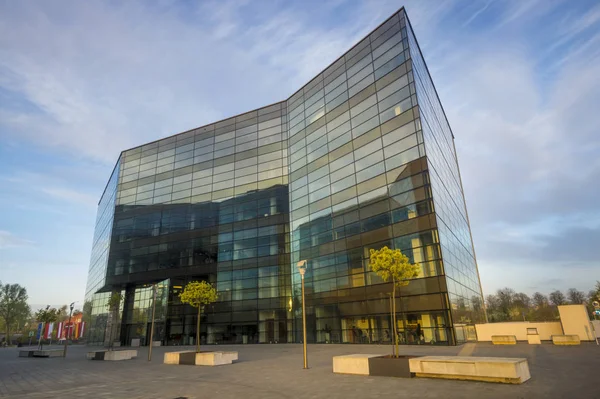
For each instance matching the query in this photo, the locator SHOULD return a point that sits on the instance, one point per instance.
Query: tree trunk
(397, 351)
(392, 332)
(41, 342)
(404, 320)
(198, 331)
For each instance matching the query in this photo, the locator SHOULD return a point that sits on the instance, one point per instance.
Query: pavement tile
(275, 371)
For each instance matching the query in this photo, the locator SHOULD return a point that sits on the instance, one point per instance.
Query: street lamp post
(152, 324)
(69, 326)
(302, 270)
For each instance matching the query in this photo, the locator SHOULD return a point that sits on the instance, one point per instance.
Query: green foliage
(197, 294)
(48, 315)
(595, 293)
(540, 300)
(506, 305)
(13, 306)
(557, 298)
(575, 296)
(392, 264)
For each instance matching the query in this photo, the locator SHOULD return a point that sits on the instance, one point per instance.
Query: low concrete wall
(519, 329)
(566, 340)
(490, 369)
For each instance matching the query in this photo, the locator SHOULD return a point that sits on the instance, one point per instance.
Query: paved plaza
(275, 371)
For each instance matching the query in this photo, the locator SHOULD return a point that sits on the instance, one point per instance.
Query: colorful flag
(49, 330)
(39, 331)
(59, 332)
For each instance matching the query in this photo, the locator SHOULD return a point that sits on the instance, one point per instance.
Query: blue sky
(81, 81)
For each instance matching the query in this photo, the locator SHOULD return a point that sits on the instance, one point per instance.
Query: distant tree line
(17, 319)
(508, 305)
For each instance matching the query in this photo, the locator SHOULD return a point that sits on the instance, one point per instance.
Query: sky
(82, 81)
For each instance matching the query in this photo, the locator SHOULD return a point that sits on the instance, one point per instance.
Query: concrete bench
(42, 353)
(200, 359)
(373, 365)
(504, 339)
(566, 340)
(489, 369)
(352, 364)
(112, 355)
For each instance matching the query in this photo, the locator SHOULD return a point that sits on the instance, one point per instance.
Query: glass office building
(360, 157)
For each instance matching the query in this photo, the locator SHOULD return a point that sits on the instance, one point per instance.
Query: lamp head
(301, 267)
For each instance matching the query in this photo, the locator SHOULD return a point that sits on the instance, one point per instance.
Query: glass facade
(460, 265)
(344, 165)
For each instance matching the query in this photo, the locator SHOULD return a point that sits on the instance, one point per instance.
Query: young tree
(47, 315)
(63, 313)
(575, 296)
(198, 294)
(557, 298)
(13, 305)
(392, 264)
(113, 304)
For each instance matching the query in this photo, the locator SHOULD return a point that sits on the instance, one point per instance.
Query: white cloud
(119, 75)
(71, 196)
(521, 93)
(9, 240)
(24, 189)
(526, 136)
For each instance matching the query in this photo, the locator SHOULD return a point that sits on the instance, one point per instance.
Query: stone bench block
(218, 358)
(352, 364)
(489, 369)
(566, 340)
(42, 353)
(504, 340)
(112, 355)
(173, 357)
